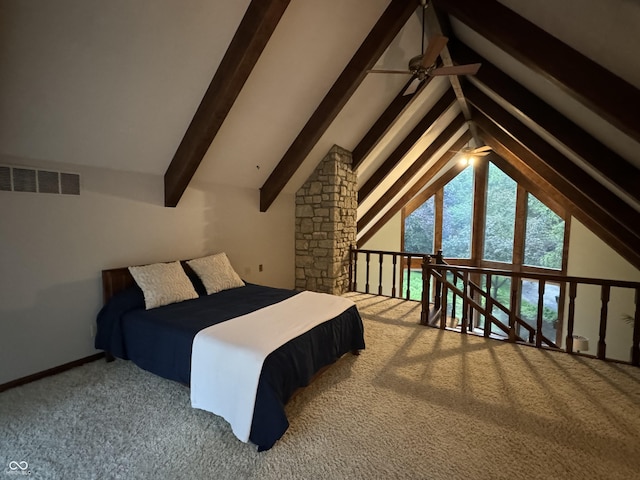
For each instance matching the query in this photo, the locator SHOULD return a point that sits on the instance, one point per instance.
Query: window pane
(500, 217)
(418, 228)
(544, 236)
(457, 215)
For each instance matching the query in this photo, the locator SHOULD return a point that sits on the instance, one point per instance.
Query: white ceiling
(115, 84)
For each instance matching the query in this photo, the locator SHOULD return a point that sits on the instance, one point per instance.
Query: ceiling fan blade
(484, 148)
(470, 69)
(406, 72)
(412, 87)
(434, 47)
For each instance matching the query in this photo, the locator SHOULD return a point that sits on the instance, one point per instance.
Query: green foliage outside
(500, 216)
(457, 215)
(544, 236)
(419, 229)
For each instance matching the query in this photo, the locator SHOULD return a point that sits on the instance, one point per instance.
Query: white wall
(53, 247)
(591, 257)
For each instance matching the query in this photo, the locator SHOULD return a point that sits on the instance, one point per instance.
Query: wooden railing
(444, 287)
(398, 261)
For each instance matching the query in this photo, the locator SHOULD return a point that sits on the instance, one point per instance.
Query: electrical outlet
(260, 267)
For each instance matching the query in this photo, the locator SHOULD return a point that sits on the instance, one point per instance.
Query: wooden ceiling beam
(602, 159)
(410, 196)
(384, 123)
(410, 172)
(585, 209)
(591, 84)
(379, 38)
(256, 27)
(554, 165)
(446, 101)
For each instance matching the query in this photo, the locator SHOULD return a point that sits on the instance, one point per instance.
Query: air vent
(21, 179)
(24, 180)
(5, 178)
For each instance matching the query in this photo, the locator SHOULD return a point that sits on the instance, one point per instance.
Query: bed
(160, 340)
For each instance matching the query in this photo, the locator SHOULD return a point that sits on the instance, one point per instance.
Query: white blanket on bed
(226, 359)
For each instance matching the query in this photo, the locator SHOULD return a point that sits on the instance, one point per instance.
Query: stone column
(326, 225)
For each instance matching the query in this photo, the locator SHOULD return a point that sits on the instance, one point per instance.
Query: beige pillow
(216, 273)
(163, 283)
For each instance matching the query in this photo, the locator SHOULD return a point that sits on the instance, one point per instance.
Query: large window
(419, 228)
(457, 215)
(514, 229)
(500, 217)
(544, 236)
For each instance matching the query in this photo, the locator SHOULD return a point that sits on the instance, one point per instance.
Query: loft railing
(453, 297)
(371, 263)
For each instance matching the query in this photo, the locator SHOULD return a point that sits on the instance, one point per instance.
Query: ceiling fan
(469, 154)
(424, 65)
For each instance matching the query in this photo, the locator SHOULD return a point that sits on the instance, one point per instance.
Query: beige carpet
(418, 403)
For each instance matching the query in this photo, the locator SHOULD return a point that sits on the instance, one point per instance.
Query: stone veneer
(326, 225)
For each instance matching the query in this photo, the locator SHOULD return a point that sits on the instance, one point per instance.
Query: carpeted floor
(418, 403)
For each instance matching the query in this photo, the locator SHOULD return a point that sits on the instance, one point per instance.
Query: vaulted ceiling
(254, 93)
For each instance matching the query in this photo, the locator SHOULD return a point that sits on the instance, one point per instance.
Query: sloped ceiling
(117, 84)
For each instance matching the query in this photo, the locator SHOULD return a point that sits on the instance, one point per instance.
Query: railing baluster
(355, 271)
(541, 288)
(635, 347)
(351, 268)
(426, 288)
(443, 300)
(453, 299)
(602, 345)
(512, 310)
(366, 288)
(426, 276)
(393, 282)
(380, 274)
(408, 277)
(573, 288)
(465, 301)
(489, 306)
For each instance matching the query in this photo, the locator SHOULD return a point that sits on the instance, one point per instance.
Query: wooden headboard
(115, 280)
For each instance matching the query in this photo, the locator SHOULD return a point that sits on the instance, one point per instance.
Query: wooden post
(602, 345)
(489, 307)
(351, 289)
(443, 299)
(366, 288)
(541, 287)
(408, 277)
(380, 274)
(465, 301)
(426, 288)
(393, 284)
(635, 348)
(355, 270)
(512, 310)
(573, 287)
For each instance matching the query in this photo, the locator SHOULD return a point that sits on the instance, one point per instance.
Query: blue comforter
(159, 340)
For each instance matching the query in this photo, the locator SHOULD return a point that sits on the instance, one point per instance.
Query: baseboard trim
(50, 372)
